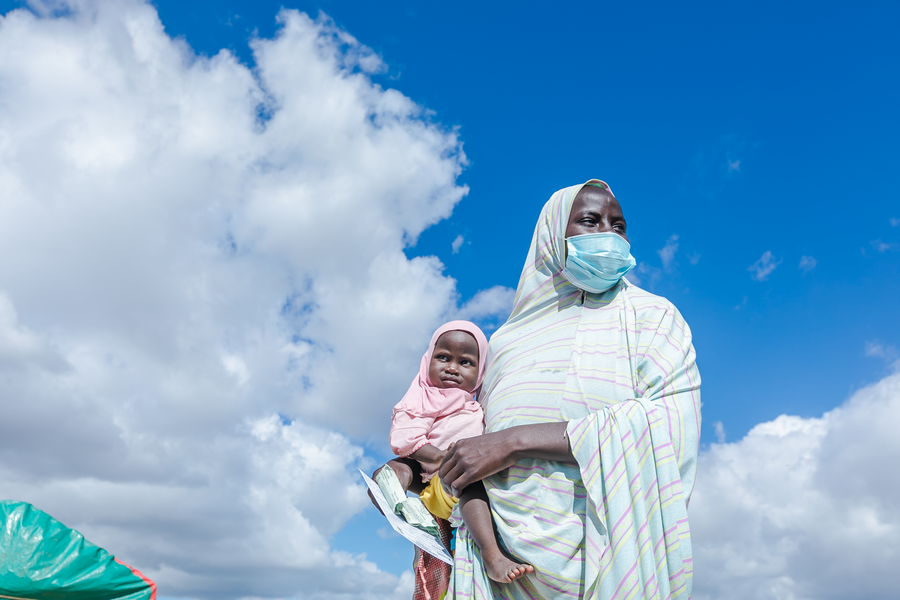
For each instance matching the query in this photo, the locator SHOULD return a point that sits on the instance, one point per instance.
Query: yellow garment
(436, 500)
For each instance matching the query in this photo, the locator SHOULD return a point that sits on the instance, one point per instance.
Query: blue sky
(741, 129)
(734, 135)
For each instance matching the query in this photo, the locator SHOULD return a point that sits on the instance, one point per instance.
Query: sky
(229, 229)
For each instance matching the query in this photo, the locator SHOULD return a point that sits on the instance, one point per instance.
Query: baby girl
(438, 410)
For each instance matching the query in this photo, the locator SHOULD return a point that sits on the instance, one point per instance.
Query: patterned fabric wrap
(620, 368)
(432, 574)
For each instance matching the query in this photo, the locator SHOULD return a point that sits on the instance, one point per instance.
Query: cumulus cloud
(490, 307)
(667, 252)
(807, 264)
(803, 508)
(457, 243)
(762, 268)
(182, 337)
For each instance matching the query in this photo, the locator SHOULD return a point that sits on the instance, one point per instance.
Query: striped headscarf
(547, 256)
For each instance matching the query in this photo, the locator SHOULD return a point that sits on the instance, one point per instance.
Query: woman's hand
(407, 472)
(473, 459)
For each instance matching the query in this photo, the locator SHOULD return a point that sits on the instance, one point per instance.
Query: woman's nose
(452, 367)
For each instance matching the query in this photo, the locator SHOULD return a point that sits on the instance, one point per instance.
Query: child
(440, 409)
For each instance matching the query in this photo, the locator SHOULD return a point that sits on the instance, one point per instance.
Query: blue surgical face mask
(597, 261)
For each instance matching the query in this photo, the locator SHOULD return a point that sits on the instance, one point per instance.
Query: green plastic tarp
(42, 559)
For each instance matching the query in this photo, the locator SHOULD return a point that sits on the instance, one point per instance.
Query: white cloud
(694, 258)
(644, 275)
(895, 221)
(883, 246)
(719, 429)
(490, 307)
(803, 508)
(877, 348)
(761, 269)
(667, 252)
(21, 348)
(457, 243)
(807, 264)
(182, 276)
(734, 165)
(888, 352)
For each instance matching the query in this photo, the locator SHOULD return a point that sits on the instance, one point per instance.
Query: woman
(592, 414)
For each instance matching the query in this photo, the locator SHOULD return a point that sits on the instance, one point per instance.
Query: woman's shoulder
(643, 301)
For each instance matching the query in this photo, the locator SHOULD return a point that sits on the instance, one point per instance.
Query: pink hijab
(423, 399)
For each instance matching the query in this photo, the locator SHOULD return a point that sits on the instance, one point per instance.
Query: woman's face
(595, 211)
(454, 362)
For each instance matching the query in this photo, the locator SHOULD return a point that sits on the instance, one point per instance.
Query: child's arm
(408, 433)
(429, 456)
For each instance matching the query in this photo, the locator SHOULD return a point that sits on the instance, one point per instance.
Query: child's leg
(476, 512)
(409, 473)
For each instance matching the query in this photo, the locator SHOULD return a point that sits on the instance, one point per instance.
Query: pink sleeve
(409, 433)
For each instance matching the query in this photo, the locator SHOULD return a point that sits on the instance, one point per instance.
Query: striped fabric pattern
(620, 368)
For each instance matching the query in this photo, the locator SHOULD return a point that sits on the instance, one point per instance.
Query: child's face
(454, 363)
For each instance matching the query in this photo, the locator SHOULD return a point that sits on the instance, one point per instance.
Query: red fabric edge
(146, 579)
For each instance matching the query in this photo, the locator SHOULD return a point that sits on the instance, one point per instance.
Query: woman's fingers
(371, 497)
(472, 460)
(454, 482)
(446, 472)
(447, 453)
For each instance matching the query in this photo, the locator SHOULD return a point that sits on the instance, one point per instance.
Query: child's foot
(502, 569)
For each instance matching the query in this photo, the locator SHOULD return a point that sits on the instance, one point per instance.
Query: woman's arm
(473, 459)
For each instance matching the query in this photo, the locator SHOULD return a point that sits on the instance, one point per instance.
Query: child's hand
(430, 457)
(433, 464)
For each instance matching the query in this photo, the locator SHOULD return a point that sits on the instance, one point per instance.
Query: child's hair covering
(423, 399)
